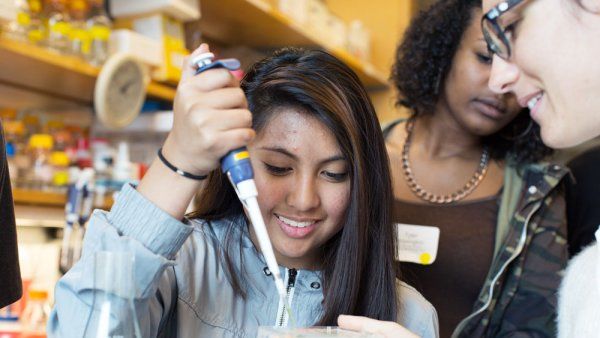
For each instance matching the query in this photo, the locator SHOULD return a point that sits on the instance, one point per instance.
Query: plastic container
(311, 332)
(40, 174)
(112, 306)
(35, 316)
(98, 27)
(184, 10)
(79, 37)
(58, 25)
(13, 170)
(60, 166)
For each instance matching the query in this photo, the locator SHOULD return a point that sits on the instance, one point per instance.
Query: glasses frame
(492, 17)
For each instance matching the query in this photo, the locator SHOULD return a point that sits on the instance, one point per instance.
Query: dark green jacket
(518, 298)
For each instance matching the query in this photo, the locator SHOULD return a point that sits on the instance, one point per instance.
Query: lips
(296, 228)
(531, 98)
(491, 108)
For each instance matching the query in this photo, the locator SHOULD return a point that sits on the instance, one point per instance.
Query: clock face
(120, 91)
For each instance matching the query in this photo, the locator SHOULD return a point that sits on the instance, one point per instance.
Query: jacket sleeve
(530, 292)
(153, 237)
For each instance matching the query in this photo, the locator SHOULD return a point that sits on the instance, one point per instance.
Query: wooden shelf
(60, 77)
(47, 198)
(255, 23)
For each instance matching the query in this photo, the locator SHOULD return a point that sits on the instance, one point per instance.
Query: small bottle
(36, 33)
(60, 170)
(19, 28)
(122, 168)
(98, 26)
(28, 26)
(14, 134)
(35, 316)
(40, 175)
(79, 37)
(32, 124)
(83, 157)
(13, 170)
(58, 26)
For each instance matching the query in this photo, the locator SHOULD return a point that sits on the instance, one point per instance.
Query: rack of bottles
(55, 48)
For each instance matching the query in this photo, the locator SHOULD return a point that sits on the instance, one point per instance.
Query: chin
(559, 140)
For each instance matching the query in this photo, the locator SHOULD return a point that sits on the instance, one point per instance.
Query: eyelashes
(330, 176)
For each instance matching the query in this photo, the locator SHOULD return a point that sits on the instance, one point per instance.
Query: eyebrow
(294, 157)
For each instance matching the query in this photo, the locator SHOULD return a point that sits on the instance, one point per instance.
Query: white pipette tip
(280, 287)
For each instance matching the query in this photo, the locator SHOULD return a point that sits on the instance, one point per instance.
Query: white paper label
(417, 243)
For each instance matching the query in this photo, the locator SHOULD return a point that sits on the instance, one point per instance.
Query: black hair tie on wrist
(177, 170)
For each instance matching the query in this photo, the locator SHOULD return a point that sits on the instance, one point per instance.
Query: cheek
(335, 201)
(270, 191)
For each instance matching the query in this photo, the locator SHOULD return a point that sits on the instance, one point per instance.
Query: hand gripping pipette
(236, 165)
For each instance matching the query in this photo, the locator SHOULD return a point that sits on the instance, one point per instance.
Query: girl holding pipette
(322, 177)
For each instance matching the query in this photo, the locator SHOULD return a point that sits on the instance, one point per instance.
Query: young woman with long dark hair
(315, 146)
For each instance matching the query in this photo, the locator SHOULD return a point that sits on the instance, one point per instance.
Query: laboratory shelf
(47, 198)
(256, 23)
(51, 77)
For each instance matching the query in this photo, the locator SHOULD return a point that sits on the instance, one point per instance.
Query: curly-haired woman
(467, 162)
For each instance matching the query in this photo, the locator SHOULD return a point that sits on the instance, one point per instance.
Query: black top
(582, 195)
(10, 277)
(465, 251)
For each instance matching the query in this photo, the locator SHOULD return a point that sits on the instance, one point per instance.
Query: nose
(503, 75)
(304, 195)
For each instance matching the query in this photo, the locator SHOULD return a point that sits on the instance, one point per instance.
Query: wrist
(174, 157)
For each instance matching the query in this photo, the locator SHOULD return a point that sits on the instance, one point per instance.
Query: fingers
(364, 324)
(220, 120)
(208, 80)
(352, 323)
(224, 98)
(188, 69)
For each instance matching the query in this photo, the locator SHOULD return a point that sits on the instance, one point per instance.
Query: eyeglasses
(494, 34)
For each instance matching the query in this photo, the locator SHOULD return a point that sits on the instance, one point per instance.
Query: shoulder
(579, 294)
(415, 312)
(582, 271)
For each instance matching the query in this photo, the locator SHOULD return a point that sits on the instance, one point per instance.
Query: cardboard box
(169, 33)
(143, 48)
(183, 10)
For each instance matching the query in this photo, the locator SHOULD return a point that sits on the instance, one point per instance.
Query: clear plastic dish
(311, 332)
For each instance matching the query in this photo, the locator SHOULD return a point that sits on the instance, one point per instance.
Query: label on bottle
(35, 35)
(62, 28)
(23, 19)
(100, 33)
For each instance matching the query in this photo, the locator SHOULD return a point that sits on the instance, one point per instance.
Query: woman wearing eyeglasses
(546, 52)
(468, 162)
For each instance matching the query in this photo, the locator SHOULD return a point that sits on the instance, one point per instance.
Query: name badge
(417, 243)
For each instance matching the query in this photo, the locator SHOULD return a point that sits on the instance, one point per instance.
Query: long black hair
(424, 59)
(358, 262)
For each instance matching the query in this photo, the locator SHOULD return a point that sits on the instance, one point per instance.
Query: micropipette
(236, 165)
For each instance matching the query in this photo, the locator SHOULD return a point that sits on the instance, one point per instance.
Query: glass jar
(40, 174)
(35, 316)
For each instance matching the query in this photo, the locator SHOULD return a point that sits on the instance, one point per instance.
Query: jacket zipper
(515, 254)
(291, 282)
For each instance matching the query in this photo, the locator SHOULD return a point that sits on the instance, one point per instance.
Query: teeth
(294, 223)
(533, 101)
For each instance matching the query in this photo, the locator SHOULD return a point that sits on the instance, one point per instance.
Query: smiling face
(466, 94)
(554, 67)
(303, 184)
